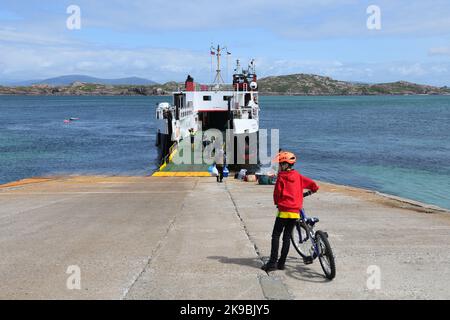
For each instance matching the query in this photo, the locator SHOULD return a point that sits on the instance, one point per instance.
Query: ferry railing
(222, 87)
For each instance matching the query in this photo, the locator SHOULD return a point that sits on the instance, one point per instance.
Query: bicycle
(311, 244)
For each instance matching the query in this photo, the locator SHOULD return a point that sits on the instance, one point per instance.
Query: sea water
(396, 145)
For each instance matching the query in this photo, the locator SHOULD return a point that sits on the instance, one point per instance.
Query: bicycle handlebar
(307, 193)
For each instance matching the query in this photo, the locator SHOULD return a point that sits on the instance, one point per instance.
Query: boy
(288, 197)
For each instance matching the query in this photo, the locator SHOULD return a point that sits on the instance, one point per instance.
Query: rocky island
(295, 84)
(312, 85)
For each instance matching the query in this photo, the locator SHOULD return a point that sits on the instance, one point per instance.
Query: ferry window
(225, 98)
(206, 98)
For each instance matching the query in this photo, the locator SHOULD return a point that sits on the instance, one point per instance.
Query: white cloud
(200, 14)
(438, 72)
(408, 70)
(13, 35)
(19, 62)
(288, 18)
(39, 49)
(439, 51)
(22, 63)
(308, 19)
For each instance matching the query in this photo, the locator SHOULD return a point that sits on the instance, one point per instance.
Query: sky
(166, 40)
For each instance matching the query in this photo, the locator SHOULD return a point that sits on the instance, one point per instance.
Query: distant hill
(309, 84)
(69, 79)
(294, 84)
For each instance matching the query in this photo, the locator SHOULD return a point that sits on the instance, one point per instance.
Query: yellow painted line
(172, 155)
(23, 182)
(163, 166)
(169, 160)
(181, 174)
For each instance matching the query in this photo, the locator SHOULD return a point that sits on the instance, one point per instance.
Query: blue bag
(225, 172)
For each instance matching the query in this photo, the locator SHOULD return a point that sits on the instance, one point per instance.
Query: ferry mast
(218, 53)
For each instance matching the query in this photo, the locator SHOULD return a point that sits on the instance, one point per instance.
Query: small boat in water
(70, 120)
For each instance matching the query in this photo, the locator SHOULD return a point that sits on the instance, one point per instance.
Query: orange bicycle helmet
(285, 156)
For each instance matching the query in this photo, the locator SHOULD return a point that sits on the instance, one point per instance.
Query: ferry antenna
(218, 53)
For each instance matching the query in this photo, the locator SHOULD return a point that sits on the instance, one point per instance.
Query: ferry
(232, 109)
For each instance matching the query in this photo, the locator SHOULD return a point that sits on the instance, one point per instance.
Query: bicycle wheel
(326, 256)
(301, 240)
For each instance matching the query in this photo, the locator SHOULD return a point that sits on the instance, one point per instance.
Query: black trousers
(220, 169)
(285, 226)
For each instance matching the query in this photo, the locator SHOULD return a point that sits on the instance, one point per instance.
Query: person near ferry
(192, 135)
(189, 83)
(288, 197)
(219, 159)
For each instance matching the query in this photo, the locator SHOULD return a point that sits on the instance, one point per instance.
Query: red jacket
(288, 192)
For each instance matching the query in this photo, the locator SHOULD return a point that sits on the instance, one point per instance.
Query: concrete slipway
(191, 238)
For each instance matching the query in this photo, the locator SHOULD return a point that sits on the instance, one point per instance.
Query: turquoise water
(115, 135)
(396, 145)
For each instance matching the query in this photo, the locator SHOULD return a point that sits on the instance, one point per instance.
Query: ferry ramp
(175, 166)
(193, 238)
